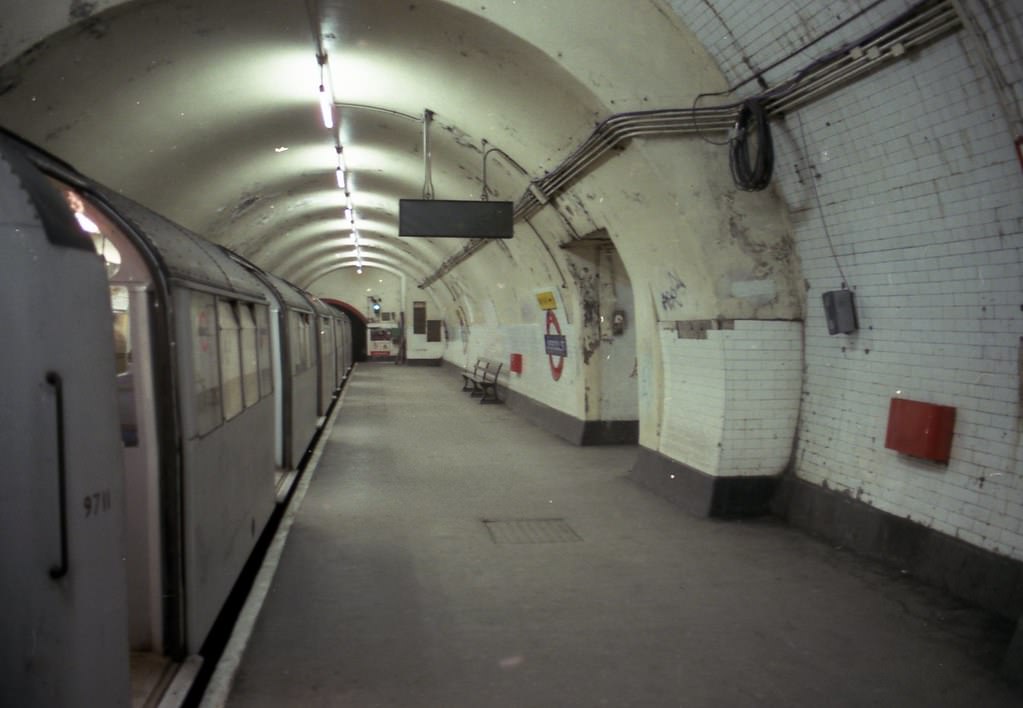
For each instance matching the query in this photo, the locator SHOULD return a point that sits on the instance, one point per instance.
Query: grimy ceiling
(208, 112)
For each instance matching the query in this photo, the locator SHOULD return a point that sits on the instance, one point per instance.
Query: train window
(230, 359)
(266, 379)
(122, 328)
(204, 363)
(250, 365)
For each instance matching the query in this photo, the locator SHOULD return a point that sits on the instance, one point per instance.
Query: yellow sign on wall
(546, 300)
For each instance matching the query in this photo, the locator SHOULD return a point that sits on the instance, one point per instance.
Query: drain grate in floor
(531, 531)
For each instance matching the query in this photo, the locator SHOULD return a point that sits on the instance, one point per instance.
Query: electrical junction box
(840, 311)
(920, 429)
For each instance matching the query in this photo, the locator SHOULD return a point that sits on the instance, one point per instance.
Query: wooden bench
(481, 380)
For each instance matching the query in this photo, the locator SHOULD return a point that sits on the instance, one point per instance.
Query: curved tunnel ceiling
(208, 113)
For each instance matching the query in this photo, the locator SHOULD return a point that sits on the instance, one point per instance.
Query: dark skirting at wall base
(566, 427)
(700, 493)
(570, 428)
(976, 575)
(424, 362)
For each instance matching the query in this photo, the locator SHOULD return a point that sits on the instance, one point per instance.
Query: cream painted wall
(354, 289)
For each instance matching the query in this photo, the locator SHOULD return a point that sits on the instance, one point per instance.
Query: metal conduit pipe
(921, 25)
(851, 68)
(917, 30)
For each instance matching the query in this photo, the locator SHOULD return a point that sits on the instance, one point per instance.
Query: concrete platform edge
(218, 689)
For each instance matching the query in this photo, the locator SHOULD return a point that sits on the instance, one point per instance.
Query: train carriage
(64, 620)
(158, 393)
(294, 341)
(326, 345)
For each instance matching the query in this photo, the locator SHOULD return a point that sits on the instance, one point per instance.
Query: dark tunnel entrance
(358, 327)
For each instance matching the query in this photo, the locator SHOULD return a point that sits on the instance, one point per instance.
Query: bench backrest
(492, 370)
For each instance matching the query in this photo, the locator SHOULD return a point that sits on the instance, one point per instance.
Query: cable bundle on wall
(751, 172)
(923, 23)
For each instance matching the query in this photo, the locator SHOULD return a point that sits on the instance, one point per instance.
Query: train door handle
(54, 380)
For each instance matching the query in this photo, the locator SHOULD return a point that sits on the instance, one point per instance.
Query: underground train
(159, 393)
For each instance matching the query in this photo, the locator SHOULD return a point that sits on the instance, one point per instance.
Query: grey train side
(158, 395)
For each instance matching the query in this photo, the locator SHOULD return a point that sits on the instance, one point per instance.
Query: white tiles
(731, 400)
(694, 400)
(921, 190)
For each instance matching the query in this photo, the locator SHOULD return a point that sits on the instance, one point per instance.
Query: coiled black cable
(751, 174)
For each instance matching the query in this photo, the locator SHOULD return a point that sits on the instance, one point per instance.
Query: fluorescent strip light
(341, 178)
(326, 108)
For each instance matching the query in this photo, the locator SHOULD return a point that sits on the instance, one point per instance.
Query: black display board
(446, 218)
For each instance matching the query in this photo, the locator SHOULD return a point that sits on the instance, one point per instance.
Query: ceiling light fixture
(326, 108)
(326, 101)
(341, 179)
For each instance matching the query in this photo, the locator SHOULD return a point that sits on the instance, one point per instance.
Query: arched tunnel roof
(208, 113)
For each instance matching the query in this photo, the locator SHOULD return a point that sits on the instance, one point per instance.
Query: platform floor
(393, 590)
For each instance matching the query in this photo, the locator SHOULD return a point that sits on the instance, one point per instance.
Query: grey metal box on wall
(840, 311)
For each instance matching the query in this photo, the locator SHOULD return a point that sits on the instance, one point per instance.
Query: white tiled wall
(922, 195)
(764, 366)
(731, 400)
(693, 399)
(753, 36)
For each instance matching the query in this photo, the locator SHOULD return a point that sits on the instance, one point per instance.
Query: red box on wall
(516, 363)
(920, 429)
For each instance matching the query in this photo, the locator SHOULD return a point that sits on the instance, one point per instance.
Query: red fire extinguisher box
(920, 429)
(516, 363)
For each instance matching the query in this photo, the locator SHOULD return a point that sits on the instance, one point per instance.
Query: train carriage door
(63, 627)
(131, 292)
(326, 363)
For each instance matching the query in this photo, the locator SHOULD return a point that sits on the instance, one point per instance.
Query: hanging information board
(446, 218)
